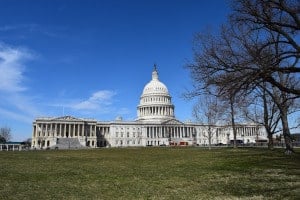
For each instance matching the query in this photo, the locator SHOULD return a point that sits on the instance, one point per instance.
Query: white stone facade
(156, 125)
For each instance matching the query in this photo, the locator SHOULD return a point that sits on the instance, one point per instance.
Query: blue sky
(92, 59)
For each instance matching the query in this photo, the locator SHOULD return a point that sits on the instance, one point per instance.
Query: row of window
(67, 134)
(156, 99)
(134, 134)
(247, 132)
(127, 128)
(128, 142)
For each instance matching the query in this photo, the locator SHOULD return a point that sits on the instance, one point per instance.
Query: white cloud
(99, 101)
(18, 26)
(12, 68)
(15, 103)
(16, 116)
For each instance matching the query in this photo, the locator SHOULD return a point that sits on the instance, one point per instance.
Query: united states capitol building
(156, 125)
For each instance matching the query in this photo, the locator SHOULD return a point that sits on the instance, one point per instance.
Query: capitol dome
(155, 86)
(155, 101)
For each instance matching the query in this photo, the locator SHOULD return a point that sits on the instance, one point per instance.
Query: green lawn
(150, 173)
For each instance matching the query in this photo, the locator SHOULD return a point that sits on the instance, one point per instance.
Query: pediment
(172, 122)
(67, 118)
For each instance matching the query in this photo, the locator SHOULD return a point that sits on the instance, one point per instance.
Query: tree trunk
(233, 122)
(266, 122)
(286, 131)
(209, 137)
(270, 143)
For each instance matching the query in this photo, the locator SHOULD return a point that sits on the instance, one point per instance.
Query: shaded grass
(150, 173)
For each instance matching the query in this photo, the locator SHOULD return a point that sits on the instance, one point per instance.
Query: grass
(150, 173)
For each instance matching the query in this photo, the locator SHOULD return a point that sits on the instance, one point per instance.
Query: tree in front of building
(27, 143)
(208, 111)
(5, 134)
(257, 47)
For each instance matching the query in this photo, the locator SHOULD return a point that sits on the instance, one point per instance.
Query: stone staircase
(68, 143)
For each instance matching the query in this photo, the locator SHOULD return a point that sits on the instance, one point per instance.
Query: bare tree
(284, 103)
(248, 53)
(208, 111)
(273, 17)
(27, 143)
(262, 110)
(5, 133)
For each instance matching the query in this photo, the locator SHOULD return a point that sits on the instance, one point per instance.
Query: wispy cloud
(15, 103)
(12, 68)
(14, 27)
(25, 30)
(15, 115)
(99, 101)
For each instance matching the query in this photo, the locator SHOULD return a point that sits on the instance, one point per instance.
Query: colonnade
(156, 110)
(169, 131)
(10, 147)
(247, 131)
(60, 129)
(240, 130)
(103, 130)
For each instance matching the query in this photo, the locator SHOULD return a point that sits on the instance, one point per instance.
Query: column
(180, 132)
(160, 131)
(147, 132)
(51, 130)
(152, 132)
(60, 129)
(65, 130)
(90, 131)
(55, 131)
(46, 130)
(79, 130)
(69, 130)
(73, 126)
(75, 130)
(36, 131)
